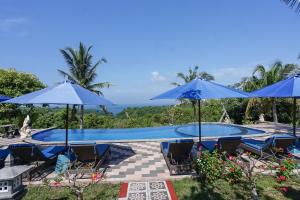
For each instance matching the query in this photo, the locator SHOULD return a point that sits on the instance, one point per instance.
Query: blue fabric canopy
(64, 93)
(289, 87)
(201, 89)
(67, 93)
(4, 98)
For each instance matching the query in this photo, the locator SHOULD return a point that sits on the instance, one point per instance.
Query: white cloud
(157, 77)
(230, 75)
(16, 26)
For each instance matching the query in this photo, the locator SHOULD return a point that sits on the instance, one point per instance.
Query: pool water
(163, 132)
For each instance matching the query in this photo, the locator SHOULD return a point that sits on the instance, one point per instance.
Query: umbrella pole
(294, 116)
(67, 125)
(199, 119)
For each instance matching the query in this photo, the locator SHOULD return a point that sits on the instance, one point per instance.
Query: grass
(187, 188)
(266, 185)
(102, 191)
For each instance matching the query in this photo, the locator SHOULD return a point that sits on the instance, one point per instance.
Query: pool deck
(143, 161)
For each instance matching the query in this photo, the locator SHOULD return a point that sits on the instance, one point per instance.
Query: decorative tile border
(153, 190)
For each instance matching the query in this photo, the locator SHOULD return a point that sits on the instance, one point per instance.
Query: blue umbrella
(288, 88)
(67, 93)
(3, 97)
(200, 89)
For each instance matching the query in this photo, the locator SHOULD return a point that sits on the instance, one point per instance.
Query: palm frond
(65, 74)
(176, 84)
(293, 4)
(100, 85)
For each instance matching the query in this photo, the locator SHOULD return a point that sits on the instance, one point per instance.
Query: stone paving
(136, 161)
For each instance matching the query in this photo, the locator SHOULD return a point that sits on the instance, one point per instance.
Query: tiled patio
(136, 161)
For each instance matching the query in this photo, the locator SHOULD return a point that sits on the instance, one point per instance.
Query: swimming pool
(144, 134)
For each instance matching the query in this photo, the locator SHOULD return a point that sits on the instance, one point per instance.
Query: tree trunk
(104, 109)
(81, 117)
(274, 110)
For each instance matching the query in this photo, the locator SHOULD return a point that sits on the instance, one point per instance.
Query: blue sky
(147, 42)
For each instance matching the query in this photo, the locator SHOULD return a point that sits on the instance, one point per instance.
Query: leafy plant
(285, 169)
(209, 166)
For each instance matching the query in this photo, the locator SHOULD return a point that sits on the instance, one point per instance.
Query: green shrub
(209, 166)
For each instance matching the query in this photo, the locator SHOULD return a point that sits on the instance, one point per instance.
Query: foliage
(285, 169)
(93, 191)
(101, 191)
(233, 172)
(262, 77)
(209, 166)
(189, 188)
(13, 84)
(82, 70)
(293, 4)
(191, 75)
(46, 192)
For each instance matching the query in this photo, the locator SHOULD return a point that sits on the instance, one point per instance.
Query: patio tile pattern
(136, 161)
(153, 190)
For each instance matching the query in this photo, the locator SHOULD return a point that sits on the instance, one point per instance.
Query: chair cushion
(101, 149)
(21, 145)
(82, 143)
(3, 154)
(209, 145)
(165, 147)
(52, 151)
(230, 138)
(180, 141)
(62, 164)
(256, 144)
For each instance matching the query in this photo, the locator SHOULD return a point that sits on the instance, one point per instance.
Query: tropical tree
(262, 77)
(293, 4)
(82, 71)
(191, 75)
(14, 83)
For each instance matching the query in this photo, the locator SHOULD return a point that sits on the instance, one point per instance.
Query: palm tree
(262, 77)
(293, 4)
(82, 71)
(191, 75)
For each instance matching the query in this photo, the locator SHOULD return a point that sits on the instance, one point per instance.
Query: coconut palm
(293, 4)
(191, 75)
(262, 77)
(82, 71)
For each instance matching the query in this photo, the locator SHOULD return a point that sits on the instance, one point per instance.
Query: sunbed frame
(178, 158)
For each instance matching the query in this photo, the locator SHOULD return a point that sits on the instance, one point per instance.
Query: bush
(285, 169)
(209, 166)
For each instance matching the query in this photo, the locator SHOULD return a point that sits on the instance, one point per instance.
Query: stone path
(136, 161)
(153, 190)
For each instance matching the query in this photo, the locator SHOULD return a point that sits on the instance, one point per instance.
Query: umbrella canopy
(67, 93)
(64, 93)
(288, 88)
(201, 89)
(3, 97)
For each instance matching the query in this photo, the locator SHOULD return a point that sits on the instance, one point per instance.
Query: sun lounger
(31, 154)
(270, 147)
(3, 154)
(223, 144)
(177, 154)
(89, 157)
